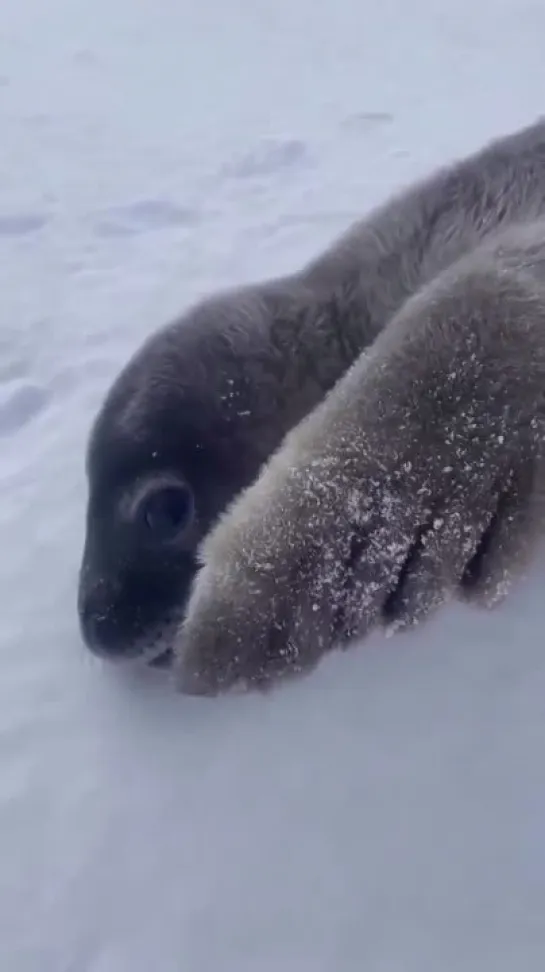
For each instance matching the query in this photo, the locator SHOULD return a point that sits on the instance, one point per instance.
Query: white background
(387, 814)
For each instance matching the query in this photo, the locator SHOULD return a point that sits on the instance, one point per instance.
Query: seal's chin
(154, 650)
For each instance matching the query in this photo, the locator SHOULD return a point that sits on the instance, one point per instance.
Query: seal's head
(184, 428)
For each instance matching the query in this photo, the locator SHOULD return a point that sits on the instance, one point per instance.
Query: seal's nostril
(94, 601)
(100, 630)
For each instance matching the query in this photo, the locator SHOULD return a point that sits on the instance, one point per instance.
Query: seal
(180, 451)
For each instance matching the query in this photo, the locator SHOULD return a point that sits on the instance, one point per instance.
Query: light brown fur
(377, 504)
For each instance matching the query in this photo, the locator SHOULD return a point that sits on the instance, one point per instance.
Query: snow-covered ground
(388, 813)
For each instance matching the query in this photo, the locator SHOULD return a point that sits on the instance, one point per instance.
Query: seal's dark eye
(167, 511)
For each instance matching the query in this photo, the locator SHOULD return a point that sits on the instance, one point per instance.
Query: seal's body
(381, 379)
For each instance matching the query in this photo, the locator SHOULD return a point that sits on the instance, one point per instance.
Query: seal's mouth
(164, 660)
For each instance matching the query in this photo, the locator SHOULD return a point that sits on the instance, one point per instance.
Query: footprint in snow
(19, 406)
(144, 216)
(362, 122)
(269, 157)
(21, 224)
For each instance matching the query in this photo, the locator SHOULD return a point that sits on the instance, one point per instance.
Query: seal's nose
(100, 631)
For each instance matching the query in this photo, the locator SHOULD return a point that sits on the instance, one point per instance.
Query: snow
(387, 813)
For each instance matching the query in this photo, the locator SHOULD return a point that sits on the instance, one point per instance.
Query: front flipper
(508, 544)
(377, 506)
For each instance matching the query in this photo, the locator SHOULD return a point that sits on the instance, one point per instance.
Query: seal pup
(204, 403)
